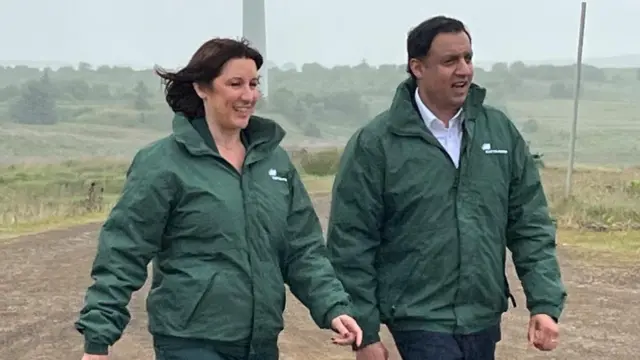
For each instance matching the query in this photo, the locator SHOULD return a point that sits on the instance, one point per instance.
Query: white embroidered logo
(486, 147)
(274, 175)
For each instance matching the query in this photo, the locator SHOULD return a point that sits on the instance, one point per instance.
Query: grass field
(46, 274)
(607, 131)
(41, 196)
(607, 134)
(59, 182)
(96, 130)
(36, 197)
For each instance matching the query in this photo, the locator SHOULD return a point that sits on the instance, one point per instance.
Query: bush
(320, 163)
(633, 187)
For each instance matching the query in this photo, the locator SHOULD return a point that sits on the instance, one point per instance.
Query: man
(429, 196)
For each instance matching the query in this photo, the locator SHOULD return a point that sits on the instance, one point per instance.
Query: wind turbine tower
(254, 29)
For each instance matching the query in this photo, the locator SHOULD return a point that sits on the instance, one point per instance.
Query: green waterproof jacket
(223, 244)
(420, 244)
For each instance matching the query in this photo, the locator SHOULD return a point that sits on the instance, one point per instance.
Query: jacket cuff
(370, 335)
(334, 312)
(93, 348)
(553, 311)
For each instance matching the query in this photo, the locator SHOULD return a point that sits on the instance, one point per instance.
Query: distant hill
(36, 64)
(618, 61)
(58, 64)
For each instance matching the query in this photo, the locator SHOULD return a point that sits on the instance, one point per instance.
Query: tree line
(310, 96)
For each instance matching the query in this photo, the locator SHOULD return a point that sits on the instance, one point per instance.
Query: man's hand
(95, 357)
(375, 351)
(543, 332)
(347, 329)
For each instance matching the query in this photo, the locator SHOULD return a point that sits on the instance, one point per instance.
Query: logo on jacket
(274, 175)
(486, 147)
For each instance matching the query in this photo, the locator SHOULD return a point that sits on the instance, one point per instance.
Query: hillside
(616, 61)
(610, 62)
(112, 111)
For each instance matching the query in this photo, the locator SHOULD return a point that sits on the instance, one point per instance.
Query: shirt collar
(431, 120)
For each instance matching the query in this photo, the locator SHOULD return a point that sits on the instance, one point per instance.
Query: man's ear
(417, 68)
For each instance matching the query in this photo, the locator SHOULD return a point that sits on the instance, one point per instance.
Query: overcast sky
(167, 32)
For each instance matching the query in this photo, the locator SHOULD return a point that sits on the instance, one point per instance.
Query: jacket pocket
(394, 286)
(220, 305)
(400, 265)
(193, 298)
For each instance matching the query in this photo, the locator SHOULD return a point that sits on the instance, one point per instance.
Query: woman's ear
(199, 90)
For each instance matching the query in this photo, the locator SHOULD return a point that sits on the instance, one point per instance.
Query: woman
(224, 215)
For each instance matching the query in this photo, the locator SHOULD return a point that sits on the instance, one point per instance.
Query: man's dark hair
(205, 65)
(420, 37)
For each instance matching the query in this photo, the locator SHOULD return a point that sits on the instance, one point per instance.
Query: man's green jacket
(420, 244)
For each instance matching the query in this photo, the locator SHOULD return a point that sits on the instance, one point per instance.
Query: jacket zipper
(394, 306)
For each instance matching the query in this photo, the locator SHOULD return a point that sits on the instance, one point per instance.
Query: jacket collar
(404, 114)
(262, 135)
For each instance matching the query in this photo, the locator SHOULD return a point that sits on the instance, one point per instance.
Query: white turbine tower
(254, 29)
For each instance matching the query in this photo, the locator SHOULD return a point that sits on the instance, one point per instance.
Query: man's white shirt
(450, 138)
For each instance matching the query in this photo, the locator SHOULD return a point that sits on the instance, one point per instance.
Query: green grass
(88, 131)
(607, 131)
(318, 185)
(603, 215)
(35, 197)
(20, 144)
(602, 247)
(51, 223)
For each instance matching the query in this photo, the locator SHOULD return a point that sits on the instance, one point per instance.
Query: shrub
(320, 163)
(634, 187)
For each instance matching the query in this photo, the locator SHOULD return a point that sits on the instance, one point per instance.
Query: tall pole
(576, 101)
(254, 29)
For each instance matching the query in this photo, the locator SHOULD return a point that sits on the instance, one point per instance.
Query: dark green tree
(141, 95)
(36, 103)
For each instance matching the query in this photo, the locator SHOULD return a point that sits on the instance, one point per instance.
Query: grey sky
(167, 32)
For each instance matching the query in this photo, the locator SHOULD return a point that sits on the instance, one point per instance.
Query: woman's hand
(346, 327)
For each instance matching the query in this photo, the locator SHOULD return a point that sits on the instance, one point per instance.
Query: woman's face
(231, 99)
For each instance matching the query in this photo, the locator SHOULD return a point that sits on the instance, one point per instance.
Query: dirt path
(43, 278)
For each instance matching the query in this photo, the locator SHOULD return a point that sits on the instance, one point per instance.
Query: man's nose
(464, 68)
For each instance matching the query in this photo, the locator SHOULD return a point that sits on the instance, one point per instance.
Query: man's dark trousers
(172, 348)
(426, 345)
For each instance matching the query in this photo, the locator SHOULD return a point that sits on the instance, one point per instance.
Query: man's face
(445, 74)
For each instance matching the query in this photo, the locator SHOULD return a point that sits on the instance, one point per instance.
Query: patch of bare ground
(43, 278)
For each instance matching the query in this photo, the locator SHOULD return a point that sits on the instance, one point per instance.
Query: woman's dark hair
(205, 65)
